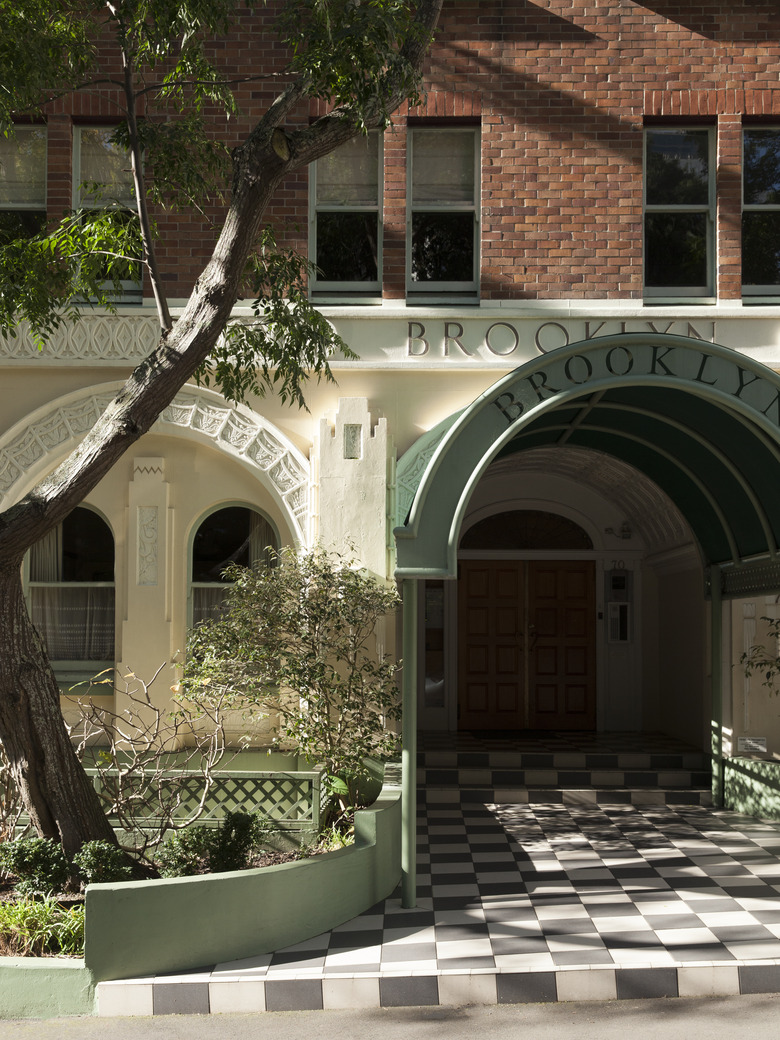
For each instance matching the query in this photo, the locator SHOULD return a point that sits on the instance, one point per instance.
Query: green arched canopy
(702, 421)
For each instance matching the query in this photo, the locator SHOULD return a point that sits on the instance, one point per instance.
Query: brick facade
(560, 91)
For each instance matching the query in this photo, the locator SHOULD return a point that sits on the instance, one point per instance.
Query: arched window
(234, 534)
(71, 588)
(526, 529)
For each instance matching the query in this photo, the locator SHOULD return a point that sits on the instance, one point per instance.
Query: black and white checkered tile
(529, 902)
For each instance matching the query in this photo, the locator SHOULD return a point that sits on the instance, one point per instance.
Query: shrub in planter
(101, 862)
(39, 863)
(197, 850)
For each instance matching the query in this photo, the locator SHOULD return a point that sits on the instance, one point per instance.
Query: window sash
(348, 183)
(75, 619)
(754, 206)
(23, 169)
(444, 172)
(96, 161)
(701, 201)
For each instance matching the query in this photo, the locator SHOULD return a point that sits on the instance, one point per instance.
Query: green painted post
(716, 639)
(409, 752)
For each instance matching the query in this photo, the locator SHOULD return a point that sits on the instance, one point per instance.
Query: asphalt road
(674, 1019)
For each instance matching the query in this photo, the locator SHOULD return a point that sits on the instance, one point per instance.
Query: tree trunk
(56, 791)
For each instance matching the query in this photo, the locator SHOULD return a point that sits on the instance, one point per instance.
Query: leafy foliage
(763, 660)
(347, 49)
(39, 863)
(199, 849)
(285, 342)
(101, 862)
(34, 927)
(298, 639)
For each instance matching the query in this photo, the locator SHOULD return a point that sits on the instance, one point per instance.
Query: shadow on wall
(752, 786)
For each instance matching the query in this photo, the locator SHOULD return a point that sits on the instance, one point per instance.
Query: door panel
(562, 612)
(527, 645)
(491, 667)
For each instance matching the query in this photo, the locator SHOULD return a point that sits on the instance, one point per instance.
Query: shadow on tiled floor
(521, 902)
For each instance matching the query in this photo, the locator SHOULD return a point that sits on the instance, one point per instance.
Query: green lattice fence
(293, 800)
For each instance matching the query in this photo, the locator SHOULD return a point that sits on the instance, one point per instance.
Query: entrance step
(653, 774)
(567, 796)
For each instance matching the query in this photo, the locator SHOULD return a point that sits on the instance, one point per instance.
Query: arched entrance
(701, 422)
(526, 626)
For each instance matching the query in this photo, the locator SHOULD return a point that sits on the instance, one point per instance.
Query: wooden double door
(527, 646)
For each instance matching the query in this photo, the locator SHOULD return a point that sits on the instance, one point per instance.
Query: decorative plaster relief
(147, 545)
(413, 464)
(243, 435)
(105, 337)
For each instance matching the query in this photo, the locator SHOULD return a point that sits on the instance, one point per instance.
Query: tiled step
(439, 795)
(676, 776)
(563, 778)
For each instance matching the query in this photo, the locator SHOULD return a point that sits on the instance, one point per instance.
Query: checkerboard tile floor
(548, 886)
(529, 902)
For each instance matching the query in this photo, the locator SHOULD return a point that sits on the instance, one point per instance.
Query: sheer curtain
(75, 619)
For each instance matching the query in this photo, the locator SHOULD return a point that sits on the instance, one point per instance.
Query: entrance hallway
(530, 901)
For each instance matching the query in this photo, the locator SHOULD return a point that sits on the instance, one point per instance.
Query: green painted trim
(752, 786)
(743, 387)
(716, 683)
(142, 928)
(409, 753)
(45, 987)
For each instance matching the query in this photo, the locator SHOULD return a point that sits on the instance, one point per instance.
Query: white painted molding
(36, 445)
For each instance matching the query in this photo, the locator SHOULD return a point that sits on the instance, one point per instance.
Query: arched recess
(701, 421)
(34, 446)
(698, 420)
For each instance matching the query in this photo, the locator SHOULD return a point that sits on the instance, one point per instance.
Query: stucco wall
(147, 927)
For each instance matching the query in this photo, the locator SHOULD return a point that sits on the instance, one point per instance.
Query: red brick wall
(561, 90)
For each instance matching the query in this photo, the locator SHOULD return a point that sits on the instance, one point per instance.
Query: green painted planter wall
(752, 786)
(146, 927)
(45, 987)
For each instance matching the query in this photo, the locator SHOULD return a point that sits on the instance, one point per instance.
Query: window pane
(106, 177)
(87, 547)
(23, 168)
(761, 170)
(350, 175)
(77, 624)
(347, 247)
(81, 548)
(443, 247)
(443, 166)
(232, 535)
(677, 170)
(20, 223)
(761, 248)
(676, 250)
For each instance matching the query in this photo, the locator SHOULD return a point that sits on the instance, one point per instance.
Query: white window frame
(433, 291)
(332, 288)
(132, 290)
(758, 293)
(687, 293)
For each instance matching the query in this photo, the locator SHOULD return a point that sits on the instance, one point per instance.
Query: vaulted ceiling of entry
(720, 469)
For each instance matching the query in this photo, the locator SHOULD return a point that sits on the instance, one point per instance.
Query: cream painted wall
(185, 482)
(681, 655)
(755, 707)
